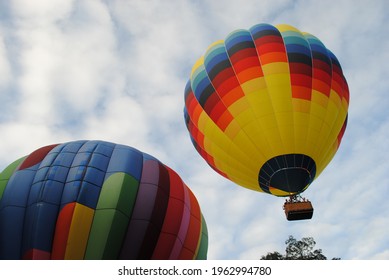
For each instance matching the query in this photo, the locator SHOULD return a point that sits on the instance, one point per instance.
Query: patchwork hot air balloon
(267, 108)
(97, 200)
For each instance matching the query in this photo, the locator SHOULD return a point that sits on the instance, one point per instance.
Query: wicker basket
(298, 210)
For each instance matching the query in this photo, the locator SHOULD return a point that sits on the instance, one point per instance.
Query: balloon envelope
(97, 200)
(267, 108)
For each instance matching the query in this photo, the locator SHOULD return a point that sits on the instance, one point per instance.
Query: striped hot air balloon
(97, 200)
(267, 108)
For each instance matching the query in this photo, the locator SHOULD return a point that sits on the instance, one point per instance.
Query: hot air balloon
(97, 200)
(267, 109)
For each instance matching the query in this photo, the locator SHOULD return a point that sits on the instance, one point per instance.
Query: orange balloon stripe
(249, 74)
(271, 57)
(62, 230)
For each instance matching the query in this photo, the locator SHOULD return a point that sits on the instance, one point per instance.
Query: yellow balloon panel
(79, 232)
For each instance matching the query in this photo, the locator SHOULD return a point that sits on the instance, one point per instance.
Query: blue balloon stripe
(44, 200)
(12, 212)
(127, 160)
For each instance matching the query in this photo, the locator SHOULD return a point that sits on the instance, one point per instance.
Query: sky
(116, 71)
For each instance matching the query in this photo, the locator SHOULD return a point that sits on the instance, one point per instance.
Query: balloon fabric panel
(175, 217)
(113, 212)
(12, 211)
(7, 173)
(202, 249)
(62, 229)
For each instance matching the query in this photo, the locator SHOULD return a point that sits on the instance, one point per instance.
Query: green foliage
(298, 250)
(273, 256)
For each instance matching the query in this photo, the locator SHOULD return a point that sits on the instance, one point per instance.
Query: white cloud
(123, 121)
(21, 138)
(5, 68)
(41, 9)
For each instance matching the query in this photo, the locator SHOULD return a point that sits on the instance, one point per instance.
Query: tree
(298, 250)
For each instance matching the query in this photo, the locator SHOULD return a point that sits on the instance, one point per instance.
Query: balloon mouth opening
(290, 173)
(292, 179)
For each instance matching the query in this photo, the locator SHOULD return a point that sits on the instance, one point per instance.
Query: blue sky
(116, 71)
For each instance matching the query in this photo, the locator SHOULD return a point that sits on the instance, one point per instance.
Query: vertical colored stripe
(79, 232)
(6, 174)
(194, 230)
(174, 216)
(113, 212)
(12, 212)
(184, 226)
(203, 244)
(62, 230)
